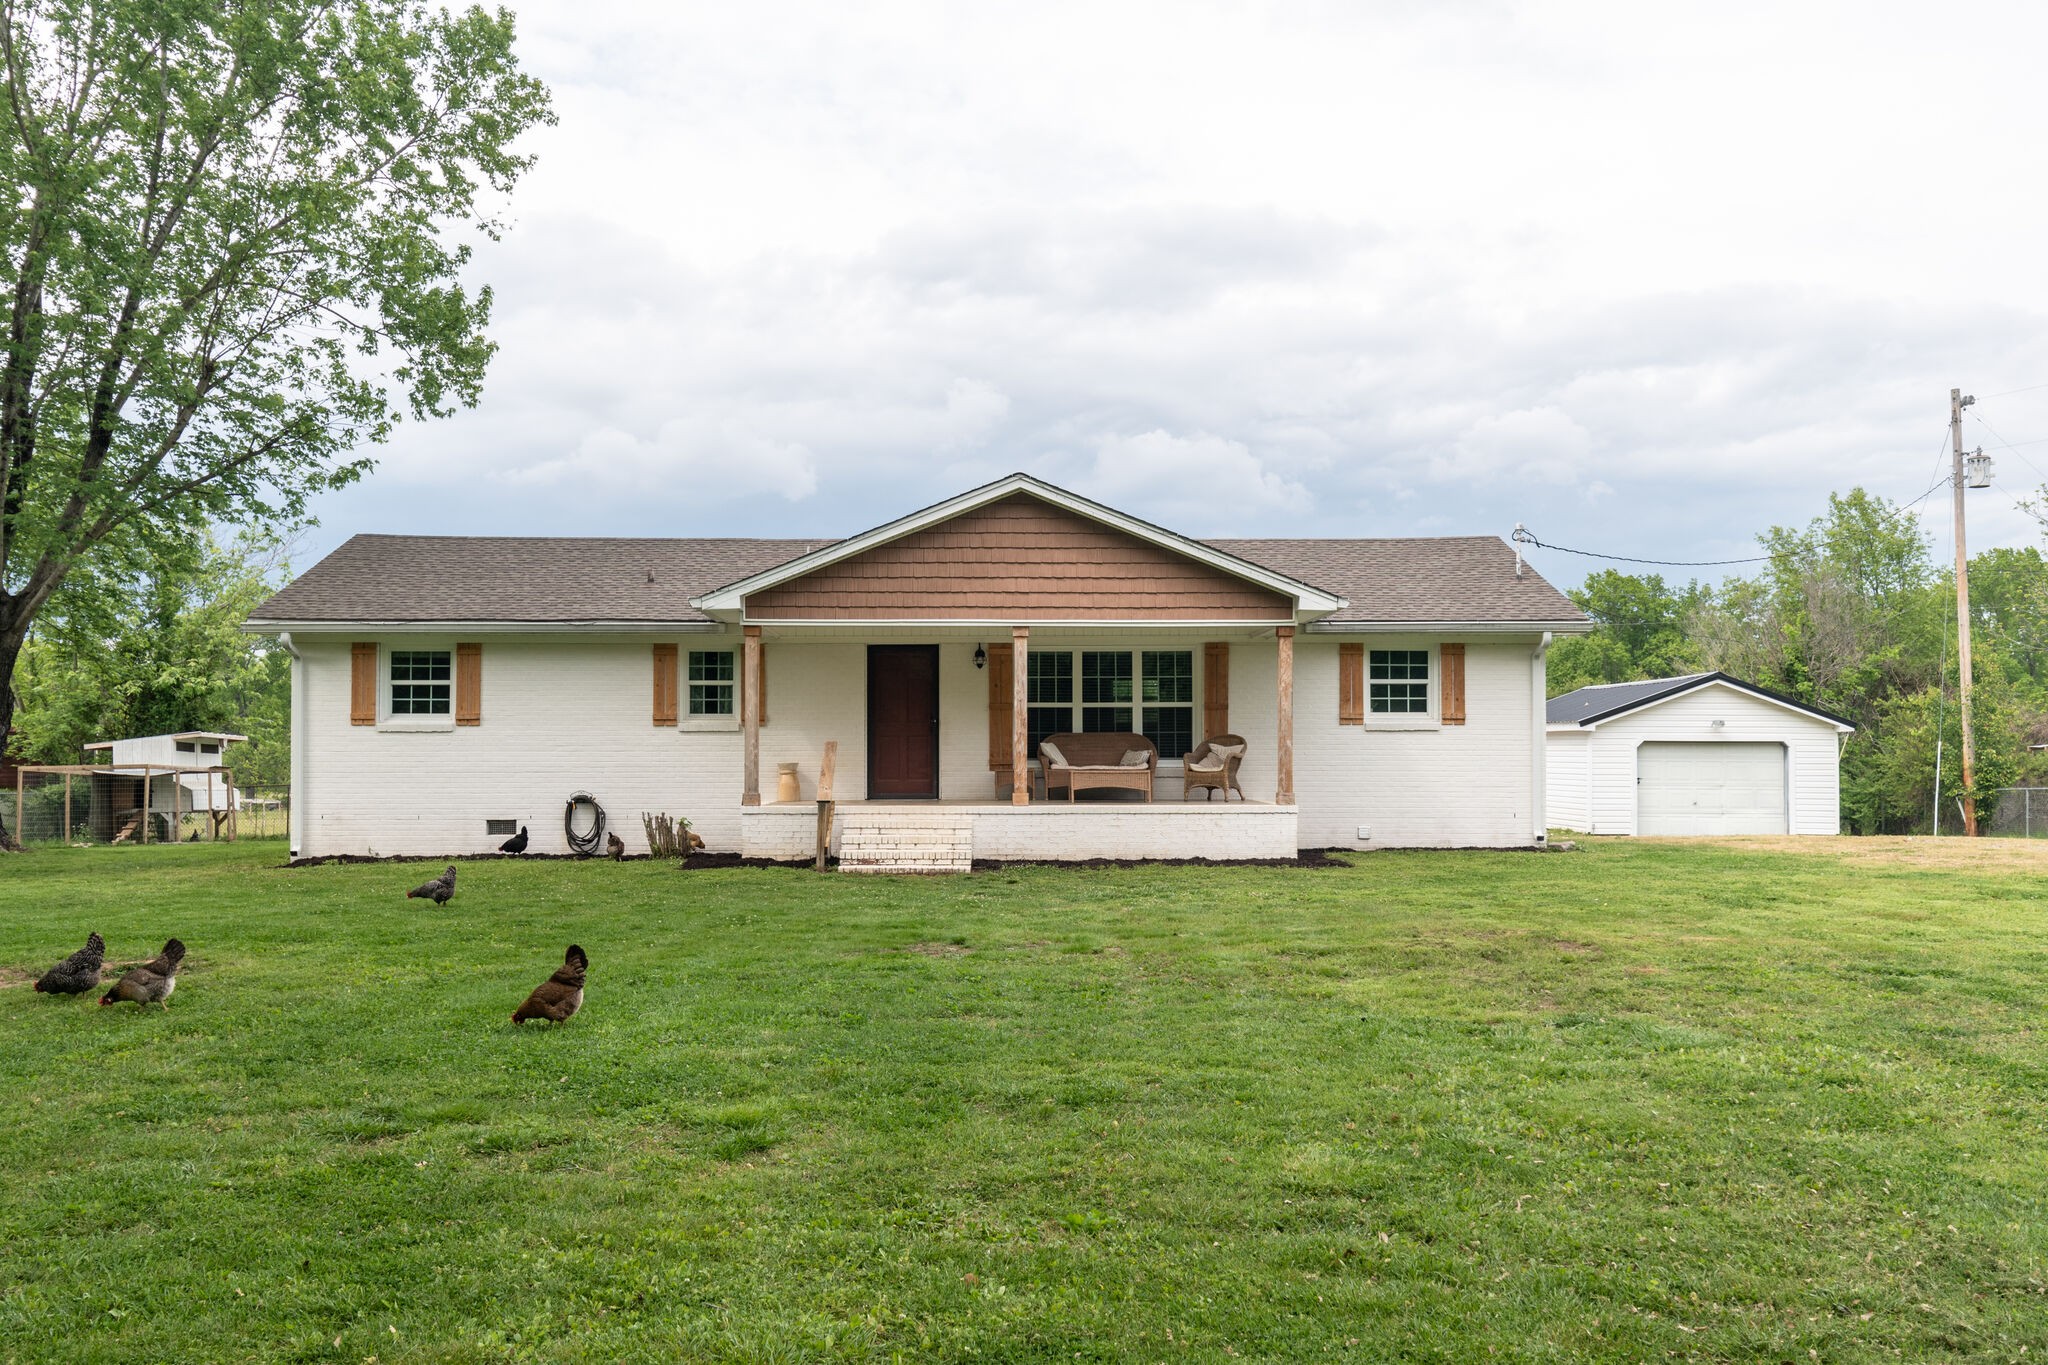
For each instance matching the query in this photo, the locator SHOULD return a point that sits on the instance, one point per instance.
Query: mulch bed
(707, 862)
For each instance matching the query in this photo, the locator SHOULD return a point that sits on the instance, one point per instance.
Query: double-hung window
(1150, 691)
(1397, 682)
(420, 681)
(712, 685)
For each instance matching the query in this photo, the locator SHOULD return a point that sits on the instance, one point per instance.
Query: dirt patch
(1565, 945)
(1645, 970)
(938, 949)
(1952, 853)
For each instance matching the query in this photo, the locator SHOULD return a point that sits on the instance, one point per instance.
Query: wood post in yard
(750, 717)
(826, 772)
(212, 818)
(1284, 754)
(1020, 716)
(20, 802)
(67, 808)
(145, 804)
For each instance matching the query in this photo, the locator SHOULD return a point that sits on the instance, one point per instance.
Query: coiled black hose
(583, 845)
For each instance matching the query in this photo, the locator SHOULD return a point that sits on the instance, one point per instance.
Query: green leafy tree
(231, 262)
(1641, 632)
(159, 654)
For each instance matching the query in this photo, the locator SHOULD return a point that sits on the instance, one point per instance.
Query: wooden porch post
(1020, 717)
(1284, 752)
(750, 718)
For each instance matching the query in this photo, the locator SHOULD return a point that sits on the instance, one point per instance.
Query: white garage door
(1710, 789)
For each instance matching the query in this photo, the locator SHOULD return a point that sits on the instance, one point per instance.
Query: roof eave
(1309, 601)
(1715, 680)
(1462, 627)
(259, 626)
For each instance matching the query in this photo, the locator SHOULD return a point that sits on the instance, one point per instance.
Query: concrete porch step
(926, 840)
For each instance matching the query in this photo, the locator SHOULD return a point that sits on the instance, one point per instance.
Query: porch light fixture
(980, 657)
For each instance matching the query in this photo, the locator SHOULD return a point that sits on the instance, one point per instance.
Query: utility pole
(1957, 401)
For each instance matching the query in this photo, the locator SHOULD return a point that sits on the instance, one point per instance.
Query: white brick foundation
(919, 836)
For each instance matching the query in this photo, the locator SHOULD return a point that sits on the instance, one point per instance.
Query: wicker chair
(1222, 778)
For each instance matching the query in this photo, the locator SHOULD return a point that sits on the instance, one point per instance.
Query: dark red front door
(903, 721)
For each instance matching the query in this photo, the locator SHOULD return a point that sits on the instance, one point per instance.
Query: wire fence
(110, 808)
(2021, 813)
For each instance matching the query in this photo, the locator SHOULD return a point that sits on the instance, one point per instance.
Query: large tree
(233, 244)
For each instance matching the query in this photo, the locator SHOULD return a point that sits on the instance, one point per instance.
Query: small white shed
(1701, 754)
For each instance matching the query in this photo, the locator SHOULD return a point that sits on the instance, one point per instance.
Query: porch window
(712, 682)
(1398, 682)
(1151, 691)
(420, 681)
(1105, 691)
(1049, 697)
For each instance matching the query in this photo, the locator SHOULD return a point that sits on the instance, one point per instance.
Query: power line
(2010, 392)
(1527, 538)
(2008, 445)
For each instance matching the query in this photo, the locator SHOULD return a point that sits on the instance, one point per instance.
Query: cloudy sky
(1649, 278)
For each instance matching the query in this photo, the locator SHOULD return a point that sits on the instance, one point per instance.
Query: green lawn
(1642, 1102)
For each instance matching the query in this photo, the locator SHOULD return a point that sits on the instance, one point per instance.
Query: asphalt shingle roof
(542, 579)
(553, 580)
(1440, 578)
(1607, 699)
(1599, 699)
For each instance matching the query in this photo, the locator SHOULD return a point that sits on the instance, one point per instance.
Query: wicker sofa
(1086, 762)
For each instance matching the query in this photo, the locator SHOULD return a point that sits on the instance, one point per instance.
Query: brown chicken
(152, 982)
(561, 995)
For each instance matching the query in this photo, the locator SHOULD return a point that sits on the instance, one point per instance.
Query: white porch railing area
(1052, 831)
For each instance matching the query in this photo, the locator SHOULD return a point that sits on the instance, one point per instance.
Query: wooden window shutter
(664, 684)
(999, 698)
(1454, 683)
(362, 683)
(1351, 684)
(469, 684)
(1215, 689)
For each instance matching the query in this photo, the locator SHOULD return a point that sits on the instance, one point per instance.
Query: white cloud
(1643, 276)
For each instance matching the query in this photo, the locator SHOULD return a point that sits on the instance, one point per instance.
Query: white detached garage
(1701, 754)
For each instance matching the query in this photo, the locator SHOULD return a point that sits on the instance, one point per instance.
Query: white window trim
(1406, 722)
(687, 723)
(390, 722)
(1137, 652)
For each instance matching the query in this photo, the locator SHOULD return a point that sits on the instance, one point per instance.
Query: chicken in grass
(516, 844)
(440, 890)
(152, 982)
(615, 846)
(561, 995)
(78, 973)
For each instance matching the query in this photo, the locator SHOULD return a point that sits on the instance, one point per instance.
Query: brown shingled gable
(1019, 558)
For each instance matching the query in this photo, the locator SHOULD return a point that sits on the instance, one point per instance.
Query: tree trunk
(11, 638)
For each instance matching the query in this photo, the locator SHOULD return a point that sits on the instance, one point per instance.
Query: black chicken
(152, 982)
(515, 844)
(561, 995)
(440, 890)
(78, 973)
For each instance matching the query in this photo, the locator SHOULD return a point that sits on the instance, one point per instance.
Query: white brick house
(1390, 691)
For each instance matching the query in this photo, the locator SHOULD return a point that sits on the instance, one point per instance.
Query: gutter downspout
(295, 817)
(1539, 741)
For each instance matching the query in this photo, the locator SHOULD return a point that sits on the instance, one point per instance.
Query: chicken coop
(158, 789)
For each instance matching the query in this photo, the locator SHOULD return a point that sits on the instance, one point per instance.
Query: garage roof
(1605, 701)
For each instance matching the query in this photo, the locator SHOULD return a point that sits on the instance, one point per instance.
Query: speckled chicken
(78, 973)
(152, 982)
(440, 890)
(615, 846)
(561, 995)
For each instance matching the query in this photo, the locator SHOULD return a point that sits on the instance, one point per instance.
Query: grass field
(1639, 1103)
